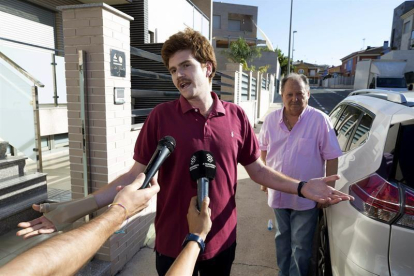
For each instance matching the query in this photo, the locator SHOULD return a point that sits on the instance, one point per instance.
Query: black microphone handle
(154, 164)
(202, 190)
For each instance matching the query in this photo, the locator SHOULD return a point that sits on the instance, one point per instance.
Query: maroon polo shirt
(228, 135)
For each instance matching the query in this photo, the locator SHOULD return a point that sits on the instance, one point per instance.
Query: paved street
(326, 99)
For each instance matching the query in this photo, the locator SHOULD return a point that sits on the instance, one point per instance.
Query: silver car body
(358, 244)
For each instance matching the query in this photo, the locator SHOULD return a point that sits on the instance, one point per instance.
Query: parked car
(373, 235)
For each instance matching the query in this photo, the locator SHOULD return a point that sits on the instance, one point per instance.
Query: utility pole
(293, 48)
(290, 33)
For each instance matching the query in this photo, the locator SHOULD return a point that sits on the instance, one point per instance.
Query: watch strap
(193, 237)
(300, 186)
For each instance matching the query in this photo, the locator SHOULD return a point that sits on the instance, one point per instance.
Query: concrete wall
(224, 10)
(97, 29)
(402, 55)
(53, 120)
(268, 58)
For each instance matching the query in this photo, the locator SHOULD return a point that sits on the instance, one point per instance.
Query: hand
(36, 227)
(317, 190)
(199, 223)
(263, 188)
(133, 199)
(323, 205)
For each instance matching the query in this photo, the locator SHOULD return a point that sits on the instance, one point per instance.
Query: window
(349, 65)
(301, 71)
(407, 27)
(362, 132)
(312, 73)
(412, 34)
(234, 25)
(397, 162)
(216, 22)
(336, 113)
(346, 125)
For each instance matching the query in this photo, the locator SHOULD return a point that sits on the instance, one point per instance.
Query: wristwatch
(192, 237)
(300, 186)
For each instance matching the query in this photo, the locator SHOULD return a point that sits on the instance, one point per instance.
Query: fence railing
(339, 82)
(19, 110)
(148, 98)
(245, 87)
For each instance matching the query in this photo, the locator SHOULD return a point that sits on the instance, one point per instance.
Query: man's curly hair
(190, 40)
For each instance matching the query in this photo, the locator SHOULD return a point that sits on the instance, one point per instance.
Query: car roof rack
(382, 94)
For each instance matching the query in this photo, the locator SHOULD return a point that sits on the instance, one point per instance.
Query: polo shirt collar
(218, 108)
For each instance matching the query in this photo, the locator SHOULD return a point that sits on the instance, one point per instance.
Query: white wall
(166, 17)
(402, 55)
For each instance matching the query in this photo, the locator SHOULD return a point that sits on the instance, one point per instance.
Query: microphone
(165, 147)
(202, 170)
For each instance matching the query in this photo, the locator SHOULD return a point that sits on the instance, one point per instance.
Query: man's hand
(323, 205)
(36, 227)
(199, 223)
(317, 190)
(263, 188)
(133, 199)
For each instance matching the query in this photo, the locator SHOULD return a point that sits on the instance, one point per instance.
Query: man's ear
(209, 68)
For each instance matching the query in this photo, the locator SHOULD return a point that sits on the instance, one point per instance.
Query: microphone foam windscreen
(202, 164)
(168, 142)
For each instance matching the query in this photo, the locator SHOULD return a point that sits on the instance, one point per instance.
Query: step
(19, 214)
(18, 183)
(33, 191)
(12, 166)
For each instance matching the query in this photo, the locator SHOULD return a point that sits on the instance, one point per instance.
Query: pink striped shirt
(300, 153)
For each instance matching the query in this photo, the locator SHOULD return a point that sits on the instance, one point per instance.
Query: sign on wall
(117, 63)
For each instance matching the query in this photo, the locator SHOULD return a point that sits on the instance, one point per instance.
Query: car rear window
(397, 161)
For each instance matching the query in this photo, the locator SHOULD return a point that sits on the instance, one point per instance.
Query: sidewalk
(255, 252)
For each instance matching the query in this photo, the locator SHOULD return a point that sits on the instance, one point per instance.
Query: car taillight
(376, 198)
(407, 220)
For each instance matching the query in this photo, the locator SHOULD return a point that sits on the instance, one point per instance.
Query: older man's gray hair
(298, 77)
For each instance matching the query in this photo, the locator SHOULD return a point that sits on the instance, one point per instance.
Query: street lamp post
(293, 47)
(290, 33)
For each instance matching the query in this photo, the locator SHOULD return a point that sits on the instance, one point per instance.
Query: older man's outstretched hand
(317, 190)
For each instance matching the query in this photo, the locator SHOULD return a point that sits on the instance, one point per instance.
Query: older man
(299, 141)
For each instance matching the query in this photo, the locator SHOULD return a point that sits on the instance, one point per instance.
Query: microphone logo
(193, 160)
(209, 158)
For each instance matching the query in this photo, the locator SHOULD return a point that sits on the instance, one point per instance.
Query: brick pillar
(99, 29)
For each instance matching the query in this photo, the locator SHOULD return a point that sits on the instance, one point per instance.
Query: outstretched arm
(59, 215)
(316, 189)
(199, 223)
(66, 253)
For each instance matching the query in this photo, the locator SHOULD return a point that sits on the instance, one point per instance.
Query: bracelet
(300, 186)
(122, 230)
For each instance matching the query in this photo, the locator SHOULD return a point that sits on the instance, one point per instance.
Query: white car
(373, 235)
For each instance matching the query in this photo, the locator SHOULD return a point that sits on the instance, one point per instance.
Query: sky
(327, 30)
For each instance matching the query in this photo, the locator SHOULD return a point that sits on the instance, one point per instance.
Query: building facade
(350, 61)
(400, 27)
